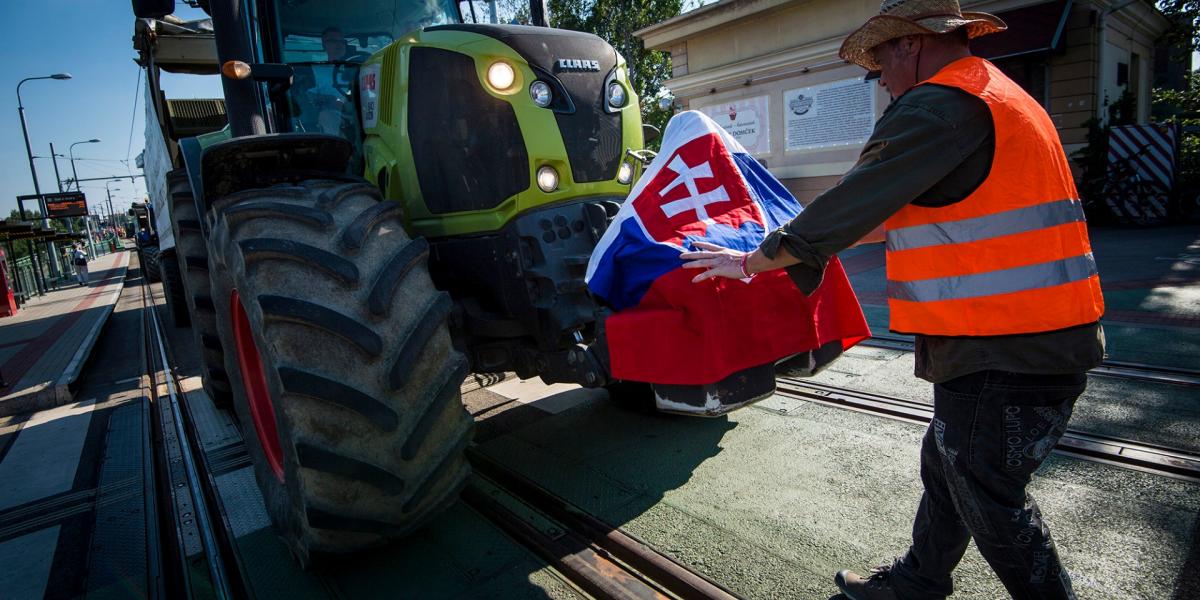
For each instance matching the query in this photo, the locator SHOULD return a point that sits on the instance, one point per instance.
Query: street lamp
(112, 219)
(87, 224)
(74, 173)
(33, 171)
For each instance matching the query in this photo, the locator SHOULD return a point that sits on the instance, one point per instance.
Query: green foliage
(1093, 160)
(1184, 32)
(1183, 107)
(1124, 110)
(30, 214)
(615, 21)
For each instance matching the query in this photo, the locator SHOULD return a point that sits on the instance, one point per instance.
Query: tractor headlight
(547, 178)
(616, 95)
(501, 75)
(625, 173)
(541, 94)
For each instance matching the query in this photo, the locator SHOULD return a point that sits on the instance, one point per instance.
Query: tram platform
(43, 347)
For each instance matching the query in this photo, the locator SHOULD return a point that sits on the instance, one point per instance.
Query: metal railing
(26, 282)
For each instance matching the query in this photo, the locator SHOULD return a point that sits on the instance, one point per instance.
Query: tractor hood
(558, 51)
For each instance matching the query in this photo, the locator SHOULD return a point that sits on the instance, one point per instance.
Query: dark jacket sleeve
(920, 141)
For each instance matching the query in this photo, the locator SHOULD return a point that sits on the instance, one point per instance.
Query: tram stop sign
(66, 204)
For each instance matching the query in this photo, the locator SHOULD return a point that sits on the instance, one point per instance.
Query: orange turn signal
(235, 69)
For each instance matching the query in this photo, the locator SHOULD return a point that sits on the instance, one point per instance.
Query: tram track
(201, 559)
(604, 561)
(1110, 368)
(1129, 454)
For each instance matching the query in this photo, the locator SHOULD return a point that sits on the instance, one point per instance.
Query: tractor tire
(150, 263)
(172, 282)
(191, 253)
(345, 381)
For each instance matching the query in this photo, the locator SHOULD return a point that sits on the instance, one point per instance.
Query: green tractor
(401, 198)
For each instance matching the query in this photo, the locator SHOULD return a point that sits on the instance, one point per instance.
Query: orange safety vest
(1014, 256)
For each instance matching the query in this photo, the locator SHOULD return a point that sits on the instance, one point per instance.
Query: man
(324, 105)
(79, 259)
(988, 264)
(334, 43)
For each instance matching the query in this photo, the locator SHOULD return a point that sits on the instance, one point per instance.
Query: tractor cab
(325, 44)
(143, 224)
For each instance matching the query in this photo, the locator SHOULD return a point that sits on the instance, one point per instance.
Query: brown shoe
(874, 587)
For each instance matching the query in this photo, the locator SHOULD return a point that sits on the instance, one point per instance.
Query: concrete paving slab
(551, 398)
(43, 459)
(773, 503)
(53, 335)
(27, 561)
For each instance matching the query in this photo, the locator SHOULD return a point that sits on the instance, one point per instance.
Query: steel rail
(1115, 369)
(1149, 458)
(583, 565)
(650, 569)
(204, 524)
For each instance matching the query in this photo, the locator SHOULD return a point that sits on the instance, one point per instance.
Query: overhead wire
(133, 118)
(79, 158)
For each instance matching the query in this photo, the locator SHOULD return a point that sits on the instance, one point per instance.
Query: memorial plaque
(748, 120)
(840, 113)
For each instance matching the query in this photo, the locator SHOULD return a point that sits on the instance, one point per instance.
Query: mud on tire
(356, 364)
(192, 256)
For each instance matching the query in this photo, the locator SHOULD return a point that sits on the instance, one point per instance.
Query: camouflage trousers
(991, 430)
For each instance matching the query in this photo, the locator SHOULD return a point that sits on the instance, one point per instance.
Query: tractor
(402, 197)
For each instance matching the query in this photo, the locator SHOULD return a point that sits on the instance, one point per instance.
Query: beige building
(768, 71)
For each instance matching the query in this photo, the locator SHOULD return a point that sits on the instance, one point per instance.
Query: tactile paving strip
(117, 562)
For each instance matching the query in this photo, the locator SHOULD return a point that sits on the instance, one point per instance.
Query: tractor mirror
(538, 15)
(650, 133)
(153, 9)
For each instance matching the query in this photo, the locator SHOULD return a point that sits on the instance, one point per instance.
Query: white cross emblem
(695, 200)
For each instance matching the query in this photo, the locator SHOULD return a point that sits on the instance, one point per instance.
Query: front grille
(591, 135)
(467, 146)
(387, 83)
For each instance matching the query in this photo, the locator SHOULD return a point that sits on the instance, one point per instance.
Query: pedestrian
(79, 259)
(988, 265)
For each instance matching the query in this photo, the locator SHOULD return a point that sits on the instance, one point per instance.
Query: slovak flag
(705, 187)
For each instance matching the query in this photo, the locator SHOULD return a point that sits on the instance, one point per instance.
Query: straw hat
(898, 18)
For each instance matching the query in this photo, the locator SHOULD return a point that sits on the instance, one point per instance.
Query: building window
(1030, 74)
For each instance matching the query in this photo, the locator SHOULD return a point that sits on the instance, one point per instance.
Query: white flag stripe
(682, 128)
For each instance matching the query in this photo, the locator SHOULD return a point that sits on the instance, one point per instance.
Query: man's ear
(910, 44)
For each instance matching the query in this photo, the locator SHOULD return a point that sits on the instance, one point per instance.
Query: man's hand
(720, 262)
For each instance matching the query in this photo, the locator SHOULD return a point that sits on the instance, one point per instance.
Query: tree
(1183, 106)
(614, 21)
(30, 215)
(1184, 15)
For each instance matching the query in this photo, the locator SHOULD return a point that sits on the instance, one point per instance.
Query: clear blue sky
(91, 40)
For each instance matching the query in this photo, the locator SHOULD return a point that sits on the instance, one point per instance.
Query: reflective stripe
(996, 225)
(993, 283)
